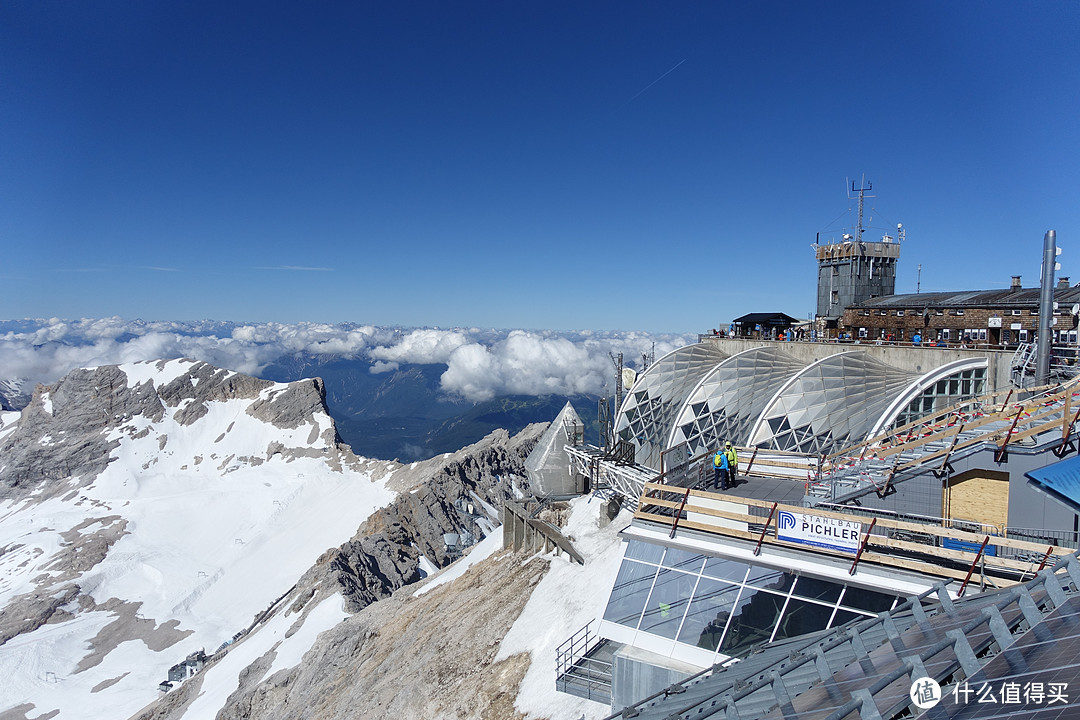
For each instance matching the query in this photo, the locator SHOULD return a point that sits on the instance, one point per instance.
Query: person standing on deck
(720, 470)
(733, 462)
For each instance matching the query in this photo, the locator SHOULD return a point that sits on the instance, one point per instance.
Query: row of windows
(725, 605)
(944, 393)
(955, 312)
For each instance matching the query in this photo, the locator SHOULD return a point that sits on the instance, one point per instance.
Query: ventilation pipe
(1046, 307)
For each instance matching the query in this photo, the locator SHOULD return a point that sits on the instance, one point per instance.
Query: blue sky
(638, 166)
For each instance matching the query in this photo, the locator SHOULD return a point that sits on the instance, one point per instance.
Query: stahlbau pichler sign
(824, 532)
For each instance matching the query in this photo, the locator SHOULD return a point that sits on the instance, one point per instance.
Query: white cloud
(421, 347)
(481, 364)
(529, 363)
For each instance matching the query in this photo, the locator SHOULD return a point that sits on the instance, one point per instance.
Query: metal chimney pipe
(1046, 308)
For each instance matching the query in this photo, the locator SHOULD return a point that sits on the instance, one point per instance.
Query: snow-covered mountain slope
(475, 641)
(151, 510)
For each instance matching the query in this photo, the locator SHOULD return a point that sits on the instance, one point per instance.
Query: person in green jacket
(732, 462)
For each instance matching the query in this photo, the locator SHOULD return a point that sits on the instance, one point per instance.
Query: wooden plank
(868, 556)
(939, 531)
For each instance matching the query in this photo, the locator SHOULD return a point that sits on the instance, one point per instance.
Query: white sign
(994, 322)
(824, 532)
(1014, 326)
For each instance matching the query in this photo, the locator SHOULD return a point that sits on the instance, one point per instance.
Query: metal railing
(577, 673)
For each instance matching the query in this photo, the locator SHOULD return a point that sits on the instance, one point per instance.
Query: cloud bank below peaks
(480, 364)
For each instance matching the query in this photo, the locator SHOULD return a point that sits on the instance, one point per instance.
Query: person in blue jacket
(720, 469)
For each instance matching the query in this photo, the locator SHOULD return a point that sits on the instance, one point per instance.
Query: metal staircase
(1048, 415)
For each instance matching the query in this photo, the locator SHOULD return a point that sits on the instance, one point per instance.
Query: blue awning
(1060, 481)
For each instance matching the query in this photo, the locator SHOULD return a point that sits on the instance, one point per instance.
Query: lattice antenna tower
(618, 362)
(864, 187)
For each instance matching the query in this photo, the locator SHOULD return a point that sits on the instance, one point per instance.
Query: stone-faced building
(1000, 318)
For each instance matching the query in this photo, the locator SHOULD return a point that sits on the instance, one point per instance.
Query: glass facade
(652, 403)
(944, 393)
(767, 397)
(832, 403)
(726, 606)
(729, 400)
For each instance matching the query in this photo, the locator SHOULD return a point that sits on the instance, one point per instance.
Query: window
(864, 312)
(727, 606)
(667, 604)
(632, 586)
(899, 313)
(707, 616)
(956, 312)
(1016, 312)
(1033, 311)
(868, 600)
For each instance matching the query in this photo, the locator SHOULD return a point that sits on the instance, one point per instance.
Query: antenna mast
(618, 361)
(862, 194)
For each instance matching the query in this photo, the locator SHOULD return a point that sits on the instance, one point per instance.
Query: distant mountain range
(404, 415)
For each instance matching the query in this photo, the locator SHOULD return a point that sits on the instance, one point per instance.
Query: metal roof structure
(772, 399)
(658, 395)
(773, 319)
(1002, 298)
(1061, 481)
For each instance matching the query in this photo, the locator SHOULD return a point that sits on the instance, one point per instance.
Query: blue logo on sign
(786, 520)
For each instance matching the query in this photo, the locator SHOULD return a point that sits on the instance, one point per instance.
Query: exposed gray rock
(385, 553)
(62, 436)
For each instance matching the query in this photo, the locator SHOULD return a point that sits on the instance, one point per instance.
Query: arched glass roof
(728, 401)
(833, 402)
(771, 398)
(656, 398)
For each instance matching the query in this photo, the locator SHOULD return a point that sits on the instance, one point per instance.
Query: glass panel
(708, 613)
(648, 552)
(752, 621)
(770, 579)
(845, 616)
(684, 560)
(630, 592)
(801, 617)
(817, 589)
(868, 600)
(725, 569)
(670, 596)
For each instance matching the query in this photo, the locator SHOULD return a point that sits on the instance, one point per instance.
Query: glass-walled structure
(703, 609)
(775, 399)
(959, 386)
(657, 396)
(729, 400)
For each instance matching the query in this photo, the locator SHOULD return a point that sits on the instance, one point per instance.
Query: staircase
(878, 464)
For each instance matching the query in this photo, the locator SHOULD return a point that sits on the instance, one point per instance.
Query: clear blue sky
(653, 166)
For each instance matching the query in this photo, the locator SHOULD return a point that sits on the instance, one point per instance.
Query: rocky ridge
(64, 437)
